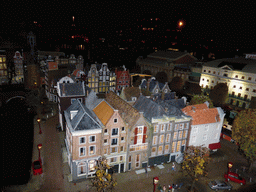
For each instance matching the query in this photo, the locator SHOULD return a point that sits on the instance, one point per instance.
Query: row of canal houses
(148, 131)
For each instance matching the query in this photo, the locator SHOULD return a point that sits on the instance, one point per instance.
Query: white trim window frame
(154, 140)
(137, 162)
(166, 151)
(160, 150)
(114, 132)
(140, 134)
(161, 139)
(204, 137)
(114, 141)
(91, 140)
(168, 138)
(81, 169)
(94, 150)
(82, 151)
(83, 140)
(156, 128)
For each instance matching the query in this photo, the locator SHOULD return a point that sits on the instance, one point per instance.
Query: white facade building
(206, 125)
(238, 73)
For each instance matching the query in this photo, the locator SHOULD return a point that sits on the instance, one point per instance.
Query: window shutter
(144, 134)
(135, 136)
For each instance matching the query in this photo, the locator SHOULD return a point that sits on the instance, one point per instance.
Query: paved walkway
(55, 176)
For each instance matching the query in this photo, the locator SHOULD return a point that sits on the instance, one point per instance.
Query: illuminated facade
(238, 73)
(3, 69)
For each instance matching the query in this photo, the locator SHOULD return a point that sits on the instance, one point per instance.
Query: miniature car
(235, 177)
(219, 185)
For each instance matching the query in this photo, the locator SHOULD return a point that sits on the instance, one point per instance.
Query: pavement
(56, 171)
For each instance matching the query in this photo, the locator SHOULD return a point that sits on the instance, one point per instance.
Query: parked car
(219, 185)
(235, 177)
(226, 134)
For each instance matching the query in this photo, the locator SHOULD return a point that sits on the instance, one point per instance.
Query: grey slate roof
(156, 109)
(72, 89)
(92, 100)
(85, 119)
(168, 54)
(237, 64)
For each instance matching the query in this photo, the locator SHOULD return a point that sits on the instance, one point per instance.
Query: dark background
(228, 23)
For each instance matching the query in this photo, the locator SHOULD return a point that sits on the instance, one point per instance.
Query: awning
(214, 146)
(194, 74)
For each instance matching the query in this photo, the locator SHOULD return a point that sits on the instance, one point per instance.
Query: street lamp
(38, 121)
(39, 147)
(230, 165)
(155, 181)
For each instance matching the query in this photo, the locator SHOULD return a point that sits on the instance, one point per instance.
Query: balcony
(240, 98)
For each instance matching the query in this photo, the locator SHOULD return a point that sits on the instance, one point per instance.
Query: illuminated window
(161, 139)
(154, 140)
(82, 151)
(180, 134)
(173, 146)
(81, 168)
(162, 127)
(153, 152)
(175, 135)
(168, 136)
(92, 150)
(160, 150)
(155, 128)
(166, 149)
(178, 146)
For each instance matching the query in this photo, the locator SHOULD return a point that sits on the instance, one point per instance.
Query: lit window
(178, 146)
(81, 168)
(168, 136)
(161, 139)
(155, 128)
(92, 150)
(82, 151)
(154, 140)
(160, 150)
(173, 146)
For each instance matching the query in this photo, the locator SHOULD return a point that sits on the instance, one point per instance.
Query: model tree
(161, 77)
(103, 180)
(199, 99)
(219, 94)
(244, 133)
(195, 161)
(176, 83)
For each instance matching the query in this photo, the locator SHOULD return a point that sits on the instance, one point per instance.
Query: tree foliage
(192, 88)
(219, 94)
(103, 180)
(161, 77)
(196, 158)
(176, 83)
(244, 133)
(199, 99)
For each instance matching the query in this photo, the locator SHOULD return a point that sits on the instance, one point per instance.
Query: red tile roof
(201, 114)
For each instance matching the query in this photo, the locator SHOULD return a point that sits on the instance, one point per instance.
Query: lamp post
(230, 165)
(38, 121)
(39, 147)
(155, 181)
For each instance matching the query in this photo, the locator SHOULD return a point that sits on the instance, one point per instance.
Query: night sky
(228, 23)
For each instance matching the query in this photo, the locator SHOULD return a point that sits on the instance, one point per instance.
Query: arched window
(81, 168)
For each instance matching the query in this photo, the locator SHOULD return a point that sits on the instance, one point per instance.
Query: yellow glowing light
(180, 23)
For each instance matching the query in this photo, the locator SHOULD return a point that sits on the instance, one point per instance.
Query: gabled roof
(172, 55)
(130, 92)
(237, 64)
(104, 111)
(129, 114)
(201, 114)
(85, 119)
(156, 108)
(92, 100)
(72, 89)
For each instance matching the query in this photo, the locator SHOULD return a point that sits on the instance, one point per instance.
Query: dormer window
(73, 114)
(134, 98)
